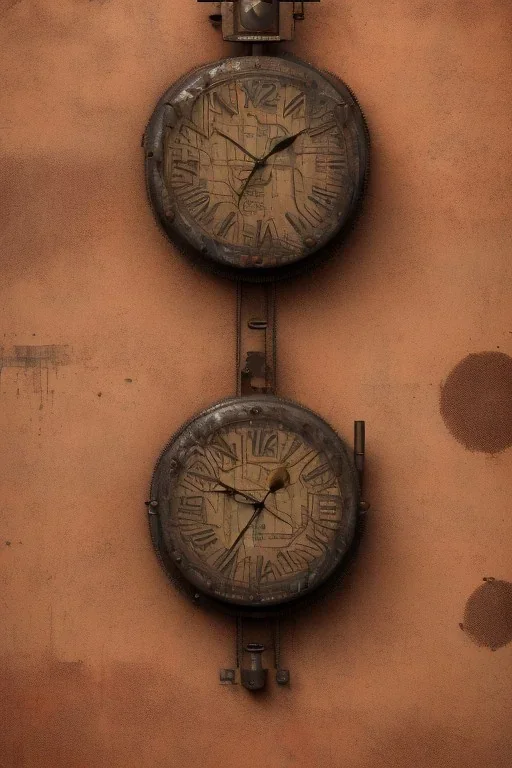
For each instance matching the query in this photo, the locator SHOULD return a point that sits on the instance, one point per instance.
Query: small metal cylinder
(254, 678)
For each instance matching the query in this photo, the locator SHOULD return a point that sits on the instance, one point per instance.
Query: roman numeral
(266, 232)
(219, 101)
(191, 509)
(263, 442)
(225, 225)
(222, 447)
(331, 164)
(319, 476)
(323, 197)
(260, 94)
(295, 106)
(203, 539)
(329, 506)
(291, 561)
(329, 124)
(300, 224)
(270, 571)
(227, 563)
(297, 453)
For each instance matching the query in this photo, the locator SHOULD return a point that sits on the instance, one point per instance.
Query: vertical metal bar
(359, 450)
(256, 339)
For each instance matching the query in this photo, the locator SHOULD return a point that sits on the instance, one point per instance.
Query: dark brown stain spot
(488, 614)
(128, 381)
(476, 402)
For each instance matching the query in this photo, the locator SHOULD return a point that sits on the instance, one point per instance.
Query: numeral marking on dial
(203, 539)
(295, 107)
(329, 124)
(191, 509)
(260, 94)
(263, 442)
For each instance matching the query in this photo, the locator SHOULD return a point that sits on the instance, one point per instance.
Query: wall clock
(256, 167)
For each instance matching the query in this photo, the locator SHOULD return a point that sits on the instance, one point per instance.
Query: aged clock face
(257, 501)
(256, 163)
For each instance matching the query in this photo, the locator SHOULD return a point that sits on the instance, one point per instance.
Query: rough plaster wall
(111, 341)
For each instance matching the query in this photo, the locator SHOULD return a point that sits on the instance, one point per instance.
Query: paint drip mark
(35, 364)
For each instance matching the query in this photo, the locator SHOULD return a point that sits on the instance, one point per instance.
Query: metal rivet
(153, 503)
(258, 261)
(197, 596)
(255, 411)
(310, 242)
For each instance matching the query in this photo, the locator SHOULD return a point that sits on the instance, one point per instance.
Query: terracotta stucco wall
(110, 341)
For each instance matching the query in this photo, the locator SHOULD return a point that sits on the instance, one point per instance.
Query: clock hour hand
(258, 164)
(242, 149)
(284, 144)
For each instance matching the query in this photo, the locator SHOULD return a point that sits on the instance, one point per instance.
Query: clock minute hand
(258, 509)
(243, 149)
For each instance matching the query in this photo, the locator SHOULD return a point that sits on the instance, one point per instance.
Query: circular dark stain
(488, 614)
(476, 402)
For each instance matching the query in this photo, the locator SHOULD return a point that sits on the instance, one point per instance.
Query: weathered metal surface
(256, 339)
(256, 164)
(226, 531)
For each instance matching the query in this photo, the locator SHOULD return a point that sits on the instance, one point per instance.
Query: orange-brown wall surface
(110, 341)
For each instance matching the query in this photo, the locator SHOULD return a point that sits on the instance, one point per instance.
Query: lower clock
(255, 503)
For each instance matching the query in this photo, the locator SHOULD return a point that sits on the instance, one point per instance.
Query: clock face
(256, 162)
(256, 501)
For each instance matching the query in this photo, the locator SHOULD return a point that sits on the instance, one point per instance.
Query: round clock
(256, 164)
(257, 502)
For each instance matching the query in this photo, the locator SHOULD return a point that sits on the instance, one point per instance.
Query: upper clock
(255, 164)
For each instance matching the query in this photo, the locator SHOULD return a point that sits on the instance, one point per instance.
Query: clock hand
(284, 144)
(252, 499)
(243, 149)
(258, 164)
(279, 479)
(258, 509)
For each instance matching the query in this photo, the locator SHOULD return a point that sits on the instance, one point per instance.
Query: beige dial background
(211, 163)
(110, 341)
(292, 541)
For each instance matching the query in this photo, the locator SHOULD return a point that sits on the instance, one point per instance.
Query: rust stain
(488, 614)
(476, 402)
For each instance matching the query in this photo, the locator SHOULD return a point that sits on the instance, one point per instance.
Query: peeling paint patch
(30, 356)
